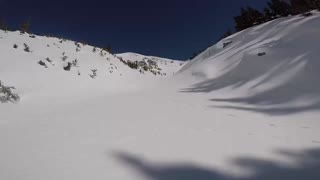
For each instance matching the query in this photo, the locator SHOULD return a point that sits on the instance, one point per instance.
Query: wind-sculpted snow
(272, 68)
(84, 113)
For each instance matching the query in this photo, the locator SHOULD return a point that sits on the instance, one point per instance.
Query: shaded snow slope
(128, 125)
(271, 68)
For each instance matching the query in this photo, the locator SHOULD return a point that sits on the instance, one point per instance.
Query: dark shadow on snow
(306, 167)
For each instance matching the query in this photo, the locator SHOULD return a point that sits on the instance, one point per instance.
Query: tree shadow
(285, 75)
(306, 165)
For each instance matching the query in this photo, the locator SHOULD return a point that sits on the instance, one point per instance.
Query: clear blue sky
(167, 28)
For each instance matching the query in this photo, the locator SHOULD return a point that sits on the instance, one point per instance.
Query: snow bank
(271, 68)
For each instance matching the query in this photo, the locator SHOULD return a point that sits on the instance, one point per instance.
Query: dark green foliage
(268, 14)
(102, 53)
(15, 46)
(225, 44)
(94, 73)
(68, 67)
(276, 8)
(42, 64)
(75, 63)
(47, 59)
(123, 61)
(26, 48)
(303, 6)
(133, 64)
(3, 25)
(64, 57)
(248, 18)
(109, 49)
(145, 68)
(299, 6)
(279, 8)
(78, 46)
(261, 54)
(6, 94)
(24, 27)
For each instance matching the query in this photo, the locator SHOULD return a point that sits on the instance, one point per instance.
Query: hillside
(246, 108)
(45, 65)
(271, 68)
(164, 65)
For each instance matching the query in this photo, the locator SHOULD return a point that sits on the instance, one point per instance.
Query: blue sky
(167, 28)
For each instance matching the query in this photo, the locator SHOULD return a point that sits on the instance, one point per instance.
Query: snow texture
(246, 108)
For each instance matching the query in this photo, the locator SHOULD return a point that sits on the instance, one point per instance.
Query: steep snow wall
(273, 67)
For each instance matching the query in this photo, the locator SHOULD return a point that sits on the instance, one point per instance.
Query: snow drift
(272, 68)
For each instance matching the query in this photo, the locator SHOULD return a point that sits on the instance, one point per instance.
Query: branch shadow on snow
(288, 63)
(306, 166)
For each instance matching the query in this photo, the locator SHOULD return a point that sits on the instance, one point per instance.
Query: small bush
(68, 67)
(26, 48)
(43, 64)
(64, 57)
(133, 65)
(6, 94)
(15, 46)
(78, 46)
(49, 60)
(75, 63)
(262, 54)
(102, 53)
(94, 73)
(24, 27)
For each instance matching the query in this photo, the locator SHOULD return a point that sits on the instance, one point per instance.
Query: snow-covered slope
(166, 66)
(273, 68)
(246, 108)
(45, 65)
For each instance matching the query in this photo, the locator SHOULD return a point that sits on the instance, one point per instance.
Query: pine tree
(248, 18)
(24, 27)
(279, 7)
(109, 49)
(241, 21)
(313, 4)
(317, 4)
(300, 6)
(255, 16)
(3, 25)
(268, 14)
